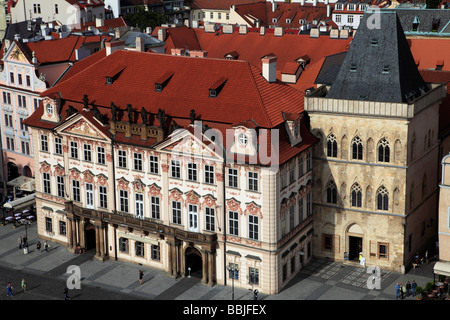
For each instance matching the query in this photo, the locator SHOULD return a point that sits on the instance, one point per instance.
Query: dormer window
(215, 89)
(274, 20)
(374, 42)
(243, 139)
(212, 93)
(353, 67)
(114, 74)
(162, 82)
(386, 69)
(109, 80)
(158, 87)
(415, 25)
(435, 25)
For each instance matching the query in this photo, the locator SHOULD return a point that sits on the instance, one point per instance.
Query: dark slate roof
(426, 18)
(20, 28)
(330, 68)
(379, 65)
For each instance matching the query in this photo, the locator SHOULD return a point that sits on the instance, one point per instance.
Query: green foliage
(419, 290)
(428, 287)
(143, 19)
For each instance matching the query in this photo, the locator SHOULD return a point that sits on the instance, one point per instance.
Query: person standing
(46, 245)
(66, 294)
(141, 275)
(38, 246)
(413, 288)
(24, 285)
(19, 241)
(397, 291)
(402, 290)
(408, 289)
(9, 290)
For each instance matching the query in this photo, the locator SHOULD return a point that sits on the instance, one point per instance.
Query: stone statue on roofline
(144, 116)
(130, 112)
(192, 116)
(85, 101)
(113, 112)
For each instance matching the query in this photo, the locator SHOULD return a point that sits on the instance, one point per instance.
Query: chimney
(262, 31)
(198, 53)
(113, 46)
(140, 45)
(314, 3)
(243, 29)
(328, 10)
(269, 68)
(162, 34)
(178, 51)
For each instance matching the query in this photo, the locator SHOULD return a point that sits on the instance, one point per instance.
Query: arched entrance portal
(13, 171)
(355, 241)
(27, 172)
(193, 259)
(89, 236)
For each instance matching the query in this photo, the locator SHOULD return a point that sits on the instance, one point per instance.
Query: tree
(143, 19)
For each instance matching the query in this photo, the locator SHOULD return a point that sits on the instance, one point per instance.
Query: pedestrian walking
(141, 275)
(413, 288)
(46, 245)
(9, 289)
(24, 285)
(397, 291)
(25, 241)
(66, 294)
(38, 246)
(403, 290)
(19, 241)
(408, 289)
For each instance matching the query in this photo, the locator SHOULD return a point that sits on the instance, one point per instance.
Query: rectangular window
(58, 146)
(101, 155)
(19, 78)
(227, 16)
(219, 15)
(154, 164)
(350, 18)
(11, 77)
(62, 228)
(46, 182)
(123, 198)
(291, 173)
(60, 186)
(155, 252)
(123, 245)
(6, 97)
(122, 157)
(192, 171)
(155, 207)
(327, 242)
(23, 126)
(74, 150)
(36, 103)
(233, 219)
(233, 271)
(209, 174)
(309, 204)
(87, 152)
(28, 81)
(253, 276)
(56, 8)
(44, 143)
(210, 219)
(176, 212)
(338, 18)
(211, 15)
(48, 224)
(175, 169)
(139, 248)
(291, 217)
(253, 228)
(383, 250)
(300, 210)
(26, 147)
(103, 193)
(10, 143)
(253, 181)
(9, 121)
(139, 199)
(308, 161)
(137, 161)
(233, 178)
(76, 190)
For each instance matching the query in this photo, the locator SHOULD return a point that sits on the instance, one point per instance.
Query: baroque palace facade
(375, 188)
(190, 165)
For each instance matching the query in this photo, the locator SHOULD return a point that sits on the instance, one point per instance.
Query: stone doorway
(89, 236)
(193, 260)
(355, 247)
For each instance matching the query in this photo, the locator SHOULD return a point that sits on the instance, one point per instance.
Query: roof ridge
(250, 68)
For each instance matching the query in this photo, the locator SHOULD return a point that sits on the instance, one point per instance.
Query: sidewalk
(319, 280)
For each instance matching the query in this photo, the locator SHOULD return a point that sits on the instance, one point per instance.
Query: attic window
(300, 21)
(415, 25)
(114, 74)
(274, 20)
(435, 25)
(215, 89)
(353, 67)
(386, 69)
(162, 82)
(109, 80)
(374, 42)
(288, 20)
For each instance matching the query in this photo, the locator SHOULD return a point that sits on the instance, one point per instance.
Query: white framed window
(137, 161)
(25, 147)
(139, 249)
(154, 164)
(6, 97)
(46, 182)
(338, 18)
(233, 223)
(44, 143)
(176, 212)
(74, 150)
(139, 198)
(193, 217)
(101, 155)
(209, 174)
(10, 143)
(210, 219)
(192, 171)
(8, 120)
(308, 161)
(155, 207)
(87, 152)
(76, 190)
(58, 146)
(232, 178)
(60, 186)
(103, 197)
(175, 169)
(89, 195)
(253, 227)
(252, 181)
(122, 157)
(350, 18)
(123, 198)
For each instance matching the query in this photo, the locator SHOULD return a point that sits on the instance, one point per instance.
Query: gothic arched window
(331, 146)
(331, 192)
(356, 195)
(382, 199)
(384, 151)
(357, 148)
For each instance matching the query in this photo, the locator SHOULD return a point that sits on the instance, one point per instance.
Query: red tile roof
(428, 52)
(216, 4)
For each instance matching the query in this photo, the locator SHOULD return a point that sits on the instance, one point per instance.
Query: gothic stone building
(178, 162)
(375, 188)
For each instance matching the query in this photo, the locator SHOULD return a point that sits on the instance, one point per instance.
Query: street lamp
(233, 272)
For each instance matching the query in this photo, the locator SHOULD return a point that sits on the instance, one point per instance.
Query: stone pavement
(319, 280)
